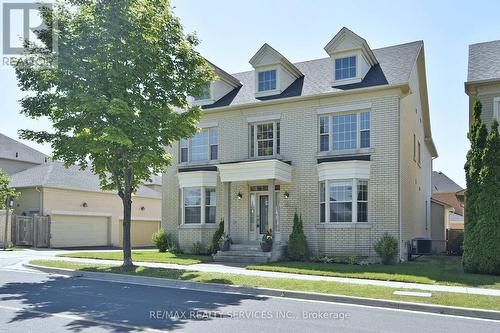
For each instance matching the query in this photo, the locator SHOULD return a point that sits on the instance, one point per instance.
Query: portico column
(270, 211)
(227, 206)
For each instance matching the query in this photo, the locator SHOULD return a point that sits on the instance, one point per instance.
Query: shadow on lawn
(104, 302)
(442, 269)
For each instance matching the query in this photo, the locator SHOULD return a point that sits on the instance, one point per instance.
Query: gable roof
(361, 42)
(442, 183)
(268, 49)
(54, 174)
(395, 66)
(10, 147)
(484, 62)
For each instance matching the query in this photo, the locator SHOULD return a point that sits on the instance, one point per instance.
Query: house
(345, 141)
(444, 189)
(483, 80)
(81, 213)
(440, 221)
(16, 157)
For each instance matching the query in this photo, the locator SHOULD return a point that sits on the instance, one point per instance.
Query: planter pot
(266, 246)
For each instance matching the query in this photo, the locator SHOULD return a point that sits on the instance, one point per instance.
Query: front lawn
(443, 270)
(337, 288)
(143, 256)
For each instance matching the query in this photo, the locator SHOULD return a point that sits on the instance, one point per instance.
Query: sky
(232, 31)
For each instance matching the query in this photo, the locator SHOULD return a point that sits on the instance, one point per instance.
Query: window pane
(362, 212)
(344, 132)
(364, 121)
(265, 139)
(199, 146)
(210, 197)
(192, 215)
(340, 191)
(323, 143)
(184, 143)
(341, 212)
(192, 196)
(324, 124)
(321, 192)
(322, 212)
(209, 214)
(365, 139)
(345, 68)
(214, 136)
(205, 92)
(214, 152)
(278, 138)
(252, 140)
(184, 154)
(267, 80)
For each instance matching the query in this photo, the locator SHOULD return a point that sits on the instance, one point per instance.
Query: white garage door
(75, 231)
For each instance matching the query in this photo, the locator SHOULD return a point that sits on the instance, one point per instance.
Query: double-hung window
(345, 68)
(267, 80)
(265, 139)
(203, 146)
(344, 131)
(199, 205)
(205, 93)
(343, 201)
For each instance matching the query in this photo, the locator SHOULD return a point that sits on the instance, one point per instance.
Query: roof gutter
(403, 87)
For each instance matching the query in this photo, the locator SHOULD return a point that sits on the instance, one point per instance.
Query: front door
(263, 216)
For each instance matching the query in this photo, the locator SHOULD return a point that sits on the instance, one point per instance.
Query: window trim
(496, 109)
(202, 206)
(330, 131)
(253, 145)
(354, 201)
(209, 146)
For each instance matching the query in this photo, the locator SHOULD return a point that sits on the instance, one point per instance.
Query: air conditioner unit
(421, 246)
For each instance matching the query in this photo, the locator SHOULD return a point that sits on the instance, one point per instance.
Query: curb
(267, 292)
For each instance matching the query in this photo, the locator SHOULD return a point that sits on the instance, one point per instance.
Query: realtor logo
(20, 22)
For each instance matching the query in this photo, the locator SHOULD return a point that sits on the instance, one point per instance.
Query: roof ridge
(487, 42)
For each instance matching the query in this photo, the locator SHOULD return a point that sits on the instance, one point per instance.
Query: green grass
(441, 298)
(442, 270)
(143, 256)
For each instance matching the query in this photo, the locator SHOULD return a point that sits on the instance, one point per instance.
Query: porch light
(286, 195)
(10, 202)
(239, 196)
(143, 208)
(85, 205)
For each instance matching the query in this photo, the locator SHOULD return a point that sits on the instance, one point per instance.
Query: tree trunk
(126, 196)
(127, 252)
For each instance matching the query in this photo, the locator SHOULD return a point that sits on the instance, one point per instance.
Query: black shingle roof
(395, 66)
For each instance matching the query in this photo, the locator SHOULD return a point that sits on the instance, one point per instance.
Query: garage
(141, 232)
(79, 231)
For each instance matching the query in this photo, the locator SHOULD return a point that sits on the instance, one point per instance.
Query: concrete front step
(246, 247)
(251, 253)
(245, 259)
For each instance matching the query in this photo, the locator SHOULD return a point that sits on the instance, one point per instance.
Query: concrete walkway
(28, 255)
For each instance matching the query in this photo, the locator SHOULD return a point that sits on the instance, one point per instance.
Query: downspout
(399, 183)
(41, 199)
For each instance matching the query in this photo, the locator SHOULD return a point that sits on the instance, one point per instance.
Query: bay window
(265, 139)
(203, 146)
(344, 132)
(342, 201)
(199, 205)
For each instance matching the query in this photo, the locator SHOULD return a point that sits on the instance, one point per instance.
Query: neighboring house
(440, 217)
(344, 141)
(16, 157)
(154, 183)
(483, 80)
(445, 190)
(81, 213)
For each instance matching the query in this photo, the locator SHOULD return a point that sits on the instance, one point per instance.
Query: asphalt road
(37, 302)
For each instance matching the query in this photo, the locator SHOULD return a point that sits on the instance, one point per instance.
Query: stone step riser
(245, 253)
(238, 259)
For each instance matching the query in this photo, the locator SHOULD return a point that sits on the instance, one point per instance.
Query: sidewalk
(233, 269)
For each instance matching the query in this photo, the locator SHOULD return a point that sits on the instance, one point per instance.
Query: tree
(297, 249)
(477, 136)
(6, 192)
(124, 71)
(488, 227)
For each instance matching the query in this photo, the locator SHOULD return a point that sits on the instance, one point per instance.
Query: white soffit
(256, 170)
(344, 170)
(197, 178)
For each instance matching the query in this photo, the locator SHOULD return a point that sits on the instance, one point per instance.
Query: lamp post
(9, 203)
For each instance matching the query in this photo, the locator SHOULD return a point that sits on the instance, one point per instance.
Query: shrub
(165, 241)
(215, 245)
(297, 243)
(387, 247)
(160, 240)
(353, 258)
(455, 245)
(197, 248)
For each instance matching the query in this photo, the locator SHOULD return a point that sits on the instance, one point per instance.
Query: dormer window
(345, 68)
(267, 80)
(205, 93)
